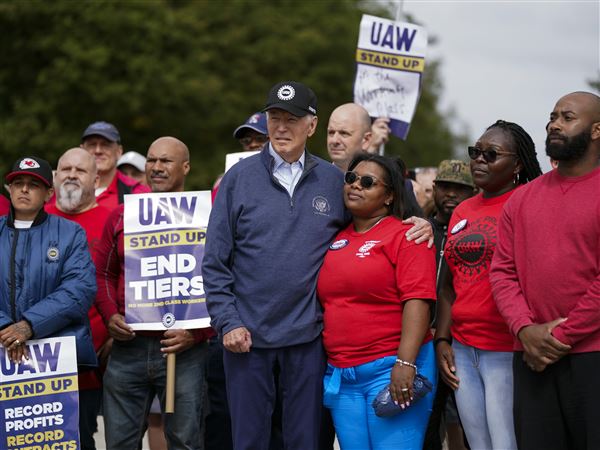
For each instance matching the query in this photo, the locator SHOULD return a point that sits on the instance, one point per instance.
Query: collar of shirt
(286, 173)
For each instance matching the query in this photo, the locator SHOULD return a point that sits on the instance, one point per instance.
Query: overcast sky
(511, 60)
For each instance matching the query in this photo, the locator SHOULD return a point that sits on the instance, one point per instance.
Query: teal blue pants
(350, 392)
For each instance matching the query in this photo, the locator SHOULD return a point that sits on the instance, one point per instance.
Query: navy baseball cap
(34, 166)
(256, 122)
(293, 97)
(104, 129)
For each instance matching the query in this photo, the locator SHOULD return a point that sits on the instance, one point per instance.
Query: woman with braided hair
(473, 343)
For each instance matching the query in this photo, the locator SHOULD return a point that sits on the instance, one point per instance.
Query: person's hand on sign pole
(13, 338)
(380, 134)
(118, 328)
(238, 340)
(177, 341)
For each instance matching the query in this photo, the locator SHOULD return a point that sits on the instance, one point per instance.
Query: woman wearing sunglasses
(376, 287)
(473, 343)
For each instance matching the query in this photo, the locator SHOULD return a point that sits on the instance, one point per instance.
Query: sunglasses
(490, 155)
(262, 139)
(366, 181)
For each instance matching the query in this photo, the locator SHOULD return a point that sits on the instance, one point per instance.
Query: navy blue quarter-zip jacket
(264, 249)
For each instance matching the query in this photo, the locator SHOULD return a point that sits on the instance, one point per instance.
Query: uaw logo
(28, 163)
(286, 92)
(364, 249)
(321, 205)
(53, 254)
(168, 320)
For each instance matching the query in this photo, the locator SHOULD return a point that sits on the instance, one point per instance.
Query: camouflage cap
(455, 171)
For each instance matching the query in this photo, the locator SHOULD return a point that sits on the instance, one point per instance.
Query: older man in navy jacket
(271, 224)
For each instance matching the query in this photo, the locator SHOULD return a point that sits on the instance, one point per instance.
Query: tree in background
(190, 69)
(595, 83)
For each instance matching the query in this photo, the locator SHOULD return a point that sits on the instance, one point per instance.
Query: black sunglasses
(260, 139)
(490, 155)
(366, 181)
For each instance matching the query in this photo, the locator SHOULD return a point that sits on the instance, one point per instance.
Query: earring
(517, 178)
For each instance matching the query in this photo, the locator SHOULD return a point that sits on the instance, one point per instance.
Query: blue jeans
(356, 425)
(136, 372)
(485, 397)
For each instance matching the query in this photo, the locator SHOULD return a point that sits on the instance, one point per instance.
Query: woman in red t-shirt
(375, 287)
(478, 365)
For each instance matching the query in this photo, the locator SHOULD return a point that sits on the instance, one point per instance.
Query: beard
(70, 199)
(571, 148)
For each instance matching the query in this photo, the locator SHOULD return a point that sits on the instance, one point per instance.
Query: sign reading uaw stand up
(390, 60)
(164, 246)
(39, 406)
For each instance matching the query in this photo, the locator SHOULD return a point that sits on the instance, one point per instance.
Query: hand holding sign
(13, 338)
(177, 341)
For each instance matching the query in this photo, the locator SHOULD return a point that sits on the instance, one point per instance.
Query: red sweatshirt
(92, 221)
(4, 205)
(547, 260)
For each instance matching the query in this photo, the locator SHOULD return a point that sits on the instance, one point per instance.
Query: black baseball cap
(293, 97)
(31, 165)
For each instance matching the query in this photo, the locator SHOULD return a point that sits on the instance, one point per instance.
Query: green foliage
(190, 69)
(595, 83)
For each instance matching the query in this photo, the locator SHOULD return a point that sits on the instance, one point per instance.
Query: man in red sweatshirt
(136, 370)
(546, 282)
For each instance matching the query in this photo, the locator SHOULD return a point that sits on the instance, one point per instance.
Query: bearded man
(74, 185)
(546, 282)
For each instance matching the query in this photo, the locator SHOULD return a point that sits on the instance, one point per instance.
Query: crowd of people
(328, 284)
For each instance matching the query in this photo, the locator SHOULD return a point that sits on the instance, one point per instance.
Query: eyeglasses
(490, 155)
(366, 181)
(262, 139)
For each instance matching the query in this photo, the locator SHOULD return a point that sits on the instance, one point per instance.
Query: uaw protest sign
(164, 242)
(39, 403)
(390, 60)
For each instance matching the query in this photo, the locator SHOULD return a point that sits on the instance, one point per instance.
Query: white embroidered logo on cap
(28, 163)
(254, 118)
(286, 92)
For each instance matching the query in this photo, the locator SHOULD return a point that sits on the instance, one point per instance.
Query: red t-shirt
(109, 198)
(471, 243)
(92, 221)
(4, 205)
(362, 285)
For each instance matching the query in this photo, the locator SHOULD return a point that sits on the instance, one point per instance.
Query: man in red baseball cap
(49, 253)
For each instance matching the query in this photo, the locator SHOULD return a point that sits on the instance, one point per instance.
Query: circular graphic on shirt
(338, 244)
(320, 205)
(471, 251)
(53, 254)
(168, 320)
